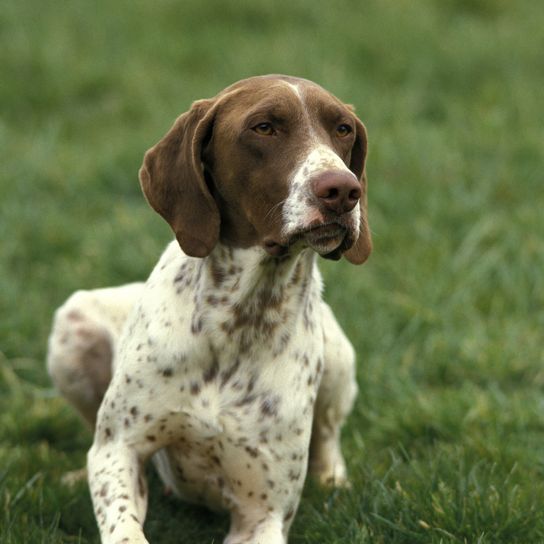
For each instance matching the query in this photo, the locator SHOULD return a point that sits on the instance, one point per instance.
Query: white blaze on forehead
(296, 90)
(300, 203)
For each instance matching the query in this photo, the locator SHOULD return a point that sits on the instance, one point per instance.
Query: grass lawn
(446, 443)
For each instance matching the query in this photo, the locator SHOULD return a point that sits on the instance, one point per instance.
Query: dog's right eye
(264, 129)
(343, 130)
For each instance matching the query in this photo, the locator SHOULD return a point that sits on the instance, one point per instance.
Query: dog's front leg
(337, 392)
(118, 490)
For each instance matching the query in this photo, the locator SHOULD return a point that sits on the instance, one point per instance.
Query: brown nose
(338, 191)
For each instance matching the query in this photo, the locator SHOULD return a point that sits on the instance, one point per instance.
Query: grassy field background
(446, 443)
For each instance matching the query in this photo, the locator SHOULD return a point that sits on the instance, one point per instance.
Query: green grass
(446, 443)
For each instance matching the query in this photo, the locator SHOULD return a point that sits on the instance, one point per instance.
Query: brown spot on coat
(226, 375)
(254, 452)
(269, 406)
(195, 388)
(211, 373)
(289, 515)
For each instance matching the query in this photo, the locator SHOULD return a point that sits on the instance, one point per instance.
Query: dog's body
(226, 362)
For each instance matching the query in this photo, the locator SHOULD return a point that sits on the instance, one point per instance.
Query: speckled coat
(226, 367)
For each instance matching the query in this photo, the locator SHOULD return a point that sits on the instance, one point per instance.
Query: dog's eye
(343, 130)
(264, 129)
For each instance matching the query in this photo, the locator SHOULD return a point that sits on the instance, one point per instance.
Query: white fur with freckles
(151, 407)
(229, 371)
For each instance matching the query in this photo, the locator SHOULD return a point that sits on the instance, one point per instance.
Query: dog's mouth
(324, 238)
(329, 240)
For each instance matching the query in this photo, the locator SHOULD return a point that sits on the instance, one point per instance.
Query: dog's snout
(338, 191)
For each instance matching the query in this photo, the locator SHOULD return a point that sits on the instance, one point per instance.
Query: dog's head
(271, 161)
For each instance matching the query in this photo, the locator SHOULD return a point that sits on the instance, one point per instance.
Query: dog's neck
(251, 275)
(256, 293)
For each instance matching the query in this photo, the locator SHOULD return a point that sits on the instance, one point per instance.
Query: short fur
(226, 366)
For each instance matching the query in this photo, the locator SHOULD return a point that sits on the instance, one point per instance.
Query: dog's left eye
(343, 130)
(264, 129)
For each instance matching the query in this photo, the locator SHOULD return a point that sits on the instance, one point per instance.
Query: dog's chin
(328, 240)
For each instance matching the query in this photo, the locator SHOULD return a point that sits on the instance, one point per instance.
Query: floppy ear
(172, 179)
(361, 249)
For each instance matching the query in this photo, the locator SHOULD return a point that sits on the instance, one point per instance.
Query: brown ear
(361, 249)
(172, 179)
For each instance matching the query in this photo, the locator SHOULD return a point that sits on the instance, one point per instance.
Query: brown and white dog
(226, 366)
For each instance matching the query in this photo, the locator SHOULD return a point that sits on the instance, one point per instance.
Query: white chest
(224, 389)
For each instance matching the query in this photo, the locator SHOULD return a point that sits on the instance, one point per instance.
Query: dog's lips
(323, 238)
(324, 234)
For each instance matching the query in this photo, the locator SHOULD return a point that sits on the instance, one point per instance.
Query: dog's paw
(333, 478)
(331, 472)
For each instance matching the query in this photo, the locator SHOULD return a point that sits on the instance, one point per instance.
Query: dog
(226, 367)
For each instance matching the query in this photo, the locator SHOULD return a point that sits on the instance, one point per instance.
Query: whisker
(275, 208)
